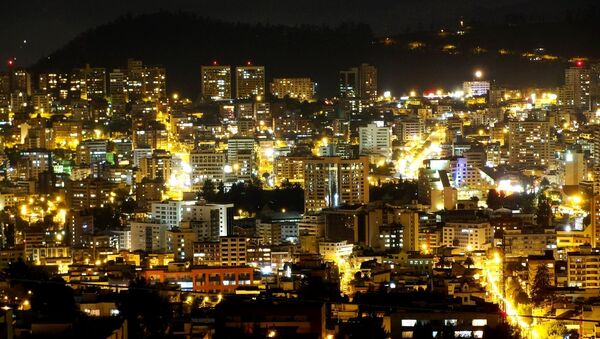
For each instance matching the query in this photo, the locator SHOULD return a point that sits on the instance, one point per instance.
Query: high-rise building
(574, 168)
(135, 79)
(148, 236)
(530, 143)
(302, 89)
(349, 83)
(154, 83)
(216, 82)
(250, 81)
(359, 82)
(374, 139)
(117, 91)
(332, 181)
(368, 82)
(575, 92)
(207, 165)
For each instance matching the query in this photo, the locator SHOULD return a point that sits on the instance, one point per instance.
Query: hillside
(183, 42)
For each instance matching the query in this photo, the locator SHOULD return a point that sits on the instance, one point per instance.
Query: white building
(170, 212)
(374, 139)
(333, 250)
(468, 235)
(148, 236)
(476, 88)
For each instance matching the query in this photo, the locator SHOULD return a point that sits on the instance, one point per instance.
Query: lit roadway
(494, 286)
(415, 152)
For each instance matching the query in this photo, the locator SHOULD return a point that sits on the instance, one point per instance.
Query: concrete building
(216, 82)
(250, 81)
(302, 89)
(374, 139)
(530, 143)
(468, 235)
(149, 236)
(332, 181)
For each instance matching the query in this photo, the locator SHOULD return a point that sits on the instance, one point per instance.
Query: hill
(183, 42)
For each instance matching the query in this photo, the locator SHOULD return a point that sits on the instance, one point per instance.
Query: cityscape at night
(300, 169)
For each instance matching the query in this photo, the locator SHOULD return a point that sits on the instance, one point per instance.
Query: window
(408, 322)
(479, 322)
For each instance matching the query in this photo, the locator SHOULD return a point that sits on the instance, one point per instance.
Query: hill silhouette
(183, 42)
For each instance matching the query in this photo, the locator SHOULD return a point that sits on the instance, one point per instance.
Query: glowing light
(478, 74)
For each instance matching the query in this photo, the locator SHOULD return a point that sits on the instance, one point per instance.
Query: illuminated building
(180, 241)
(289, 169)
(333, 250)
(582, 268)
(207, 165)
(530, 143)
(358, 224)
(250, 81)
(476, 88)
(391, 236)
(466, 321)
(67, 133)
(79, 225)
(332, 181)
(368, 81)
(121, 239)
(435, 188)
(359, 82)
(157, 166)
(148, 236)
(302, 89)
(277, 228)
(311, 225)
(524, 241)
(207, 253)
(41, 103)
(117, 91)
(409, 130)
(216, 220)
(374, 139)
(154, 135)
(212, 279)
(575, 92)
(89, 193)
(154, 83)
(349, 83)
(245, 127)
(92, 151)
(32, 163)
(95, 82)
(409, 220)
(216, 82)
(241, 159)
(468, 235)
(233, 251)
(134, 79)
(21, 81)
(574, 168)
(262, 113)
(148, 191)
(170, 212)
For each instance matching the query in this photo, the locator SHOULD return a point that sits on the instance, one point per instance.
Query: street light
(478, 74)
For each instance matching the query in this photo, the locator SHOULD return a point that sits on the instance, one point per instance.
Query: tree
(544, 211)
(540, 291)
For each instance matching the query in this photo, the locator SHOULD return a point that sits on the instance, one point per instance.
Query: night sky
(34, 28)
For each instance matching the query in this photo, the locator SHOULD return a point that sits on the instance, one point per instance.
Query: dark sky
(46, 25)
